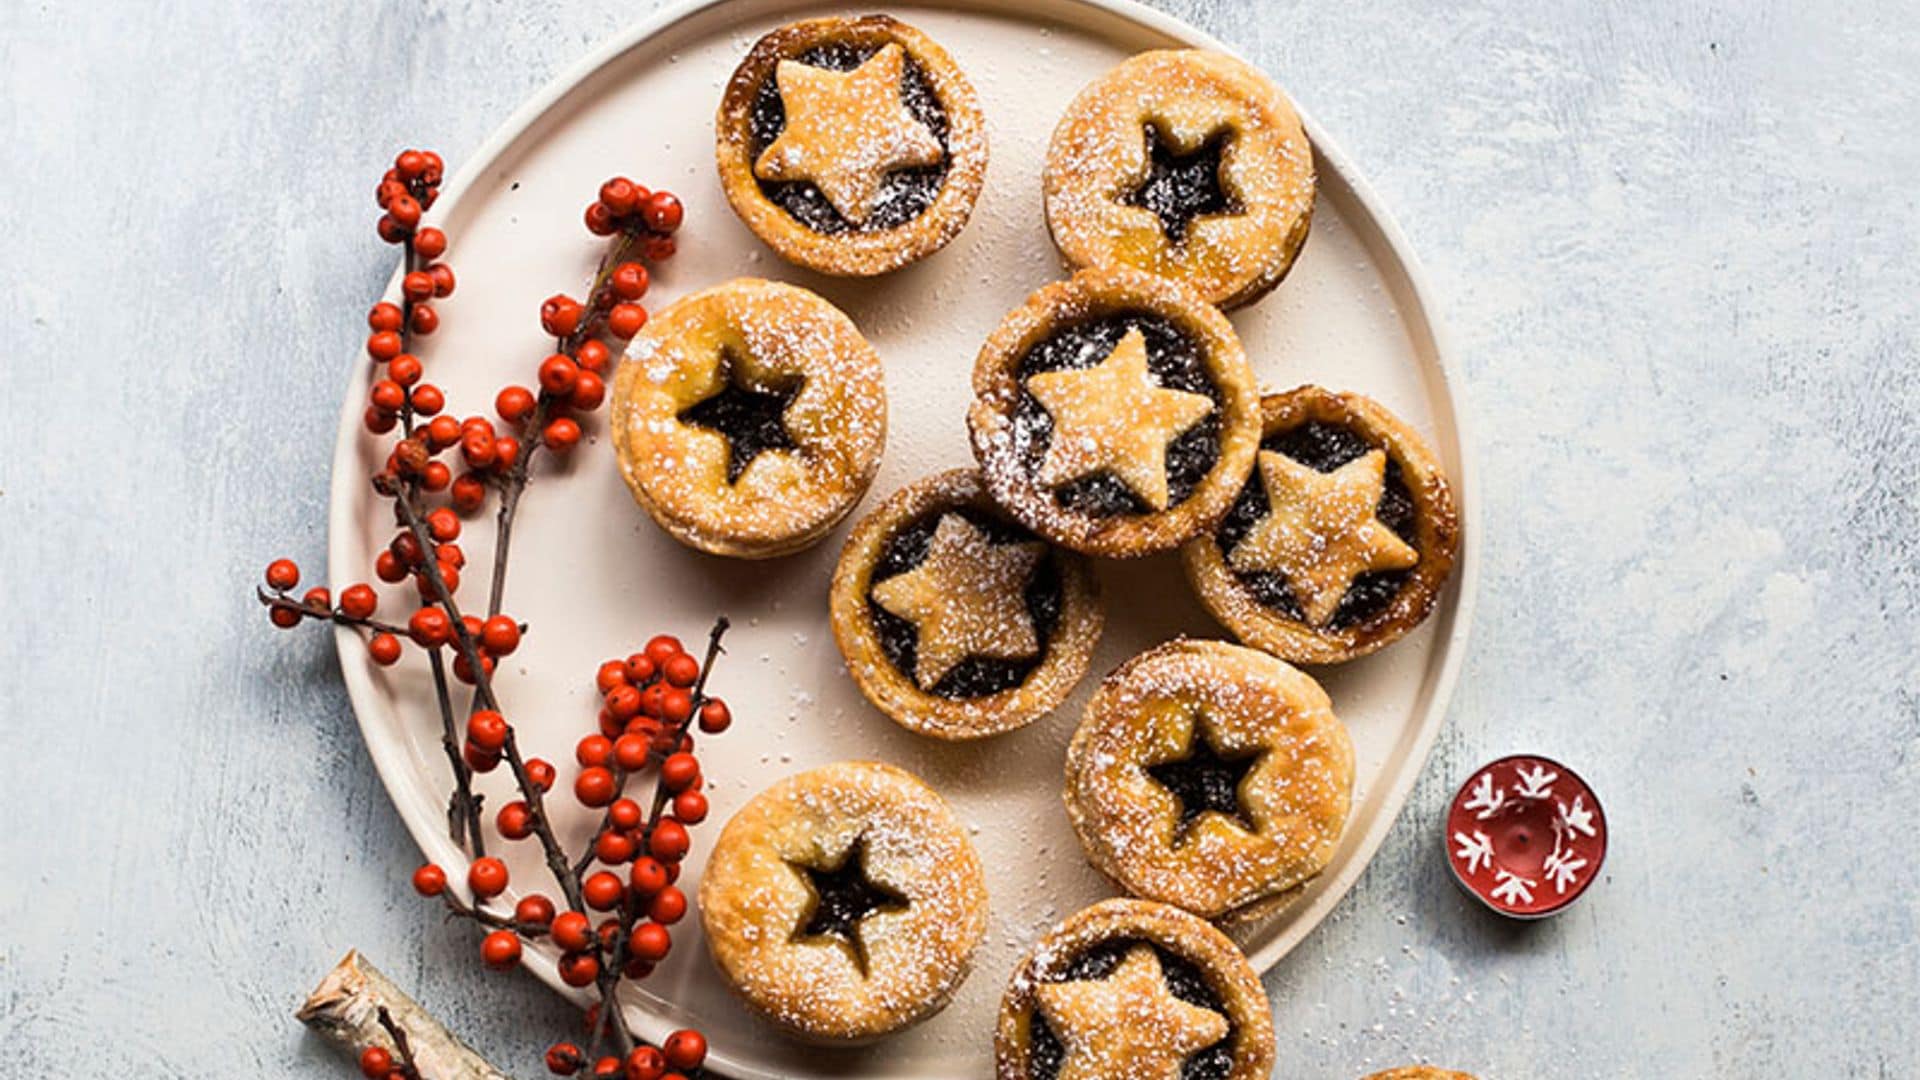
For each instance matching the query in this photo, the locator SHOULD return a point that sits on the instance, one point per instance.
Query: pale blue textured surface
(1676, 246)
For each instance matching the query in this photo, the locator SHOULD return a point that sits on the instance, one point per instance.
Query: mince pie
(954, 619)
(1341, 541)
(851, 146)
(1419, 1072)
(1136, 990)
(1114, 413)
(844, 903)
(749, 418)
(1209, 776)
(1185, 163)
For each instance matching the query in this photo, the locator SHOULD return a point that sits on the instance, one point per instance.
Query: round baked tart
(844, 903)
(954, 619)
(1419, 1072)
(1340, 542)
(1186, 163)
(1209, 776)
(851, 146)
(1114, 413)
(749, 418)
(1135, 989)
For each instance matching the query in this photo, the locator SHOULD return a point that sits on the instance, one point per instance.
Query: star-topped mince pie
(1209, 776)
(1137, 990)
(1185, 163)
(954, 619)
(851, 146)
(749, 418)
(1342, 539)
(1114, 413)
(844, 903)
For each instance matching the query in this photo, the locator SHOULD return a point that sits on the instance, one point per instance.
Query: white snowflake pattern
(1477, 850)
(1511, 888)
(1537, 784)
(1574, 819)
(1485, 797)
(1561, 868)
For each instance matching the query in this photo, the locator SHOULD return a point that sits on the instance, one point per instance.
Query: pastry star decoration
(967, 599)
(1127, 1024)
(1114, 418)
(1321, 531)
(846, 131)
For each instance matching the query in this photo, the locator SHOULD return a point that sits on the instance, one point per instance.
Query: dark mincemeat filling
(1173, 358)
(752, 419)
(976, 676)
(843, 897)
(1325, 447)
(1203, 781)
(907, 193)
(1046, 1054)
(1182, 187)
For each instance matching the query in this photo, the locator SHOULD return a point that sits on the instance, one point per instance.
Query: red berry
(669, 842)
(564, 1059)
(387, 395)
(404, 210)
(679, 772)
(442, 432)
(533, 910)
(625, 320)
(611, 674)
(384, 316)
(469, 492)
(561, 315)
(650, 942)
(487, 730)
(429, 880)
(629, 281)
(429, 627)
(612, 848)
(571, 931)
(500, 950)
(383, 345)
(561, 434)
(378, 422)
(602, 891)
(358, 601)
(623, 702)
(540, 773)
(619, 195)
(715, 716)
(663, 647)
(681, 670)
(648, 876)
(640, 668)
(594, 786)
(600, 220)
(558, 374)
(487, 877)
(624, 813)
(479, 447)
(427, 399)
(443, 525)
(389, 568)
(436, 476)
(285, 618)
(690, 807)
(515, 821)
(317, 598)
(646, 1063)
(501, 635)
(417, 286)
(375, 1063)
(630, 753)
(658, 248)
(480, 761)
(608, 1068)
(676, 704)
(425, 319)
(669, 906)
(593, 355)
(442, 276)
(514, 404)
(589, 390)
(664, 212)
(430, 243)
(409, 164)
(593, 750)
(390, 230)
(506, 449)
(384, 648)
(579, 968)
(283, 574)
(685, 1049)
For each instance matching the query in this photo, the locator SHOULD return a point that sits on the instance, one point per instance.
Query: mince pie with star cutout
(1134, 989)
(1114, 413)
(844, 903)
(1341, 541)
(852, 146)
(749, 418)
(1185, 163)
(1209, 776)
(955, 620)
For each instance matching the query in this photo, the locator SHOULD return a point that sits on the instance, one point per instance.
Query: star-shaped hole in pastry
(843, 899)
(1321, 530)
(752, 420)
(966, 599)
(1204, 781)
(1127, 1024)
(847, 131)
(1113, 418)
(1180, 187)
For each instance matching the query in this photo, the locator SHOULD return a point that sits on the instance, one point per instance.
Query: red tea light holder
(1526, 836)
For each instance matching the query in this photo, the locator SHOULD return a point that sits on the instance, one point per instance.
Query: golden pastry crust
(1120, 1024)
(1061, 655)
(1108, 407)
(762, 337)
(1249, 741)
(861, 138)
(1102, 157)
(1419, 1072)
(1236, 599)
(901, 962)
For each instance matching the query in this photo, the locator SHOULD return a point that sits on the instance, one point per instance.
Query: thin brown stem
(399, 1036)
(283, 602)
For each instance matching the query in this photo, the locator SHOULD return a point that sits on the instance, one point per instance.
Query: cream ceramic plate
(594, 577)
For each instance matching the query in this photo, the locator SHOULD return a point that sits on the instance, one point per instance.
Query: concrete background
(1674, 241)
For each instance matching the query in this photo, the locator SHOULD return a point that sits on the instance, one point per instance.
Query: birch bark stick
(345, 1010)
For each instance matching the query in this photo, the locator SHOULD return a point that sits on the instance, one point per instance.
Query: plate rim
(426, 823)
